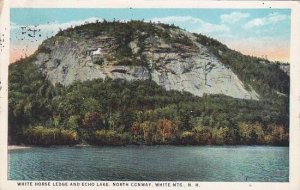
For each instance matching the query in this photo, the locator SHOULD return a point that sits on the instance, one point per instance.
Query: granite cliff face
(169, 56)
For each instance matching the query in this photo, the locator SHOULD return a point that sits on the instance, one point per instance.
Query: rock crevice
(173, 65)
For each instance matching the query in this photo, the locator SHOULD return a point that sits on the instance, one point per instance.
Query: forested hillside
(117, 111)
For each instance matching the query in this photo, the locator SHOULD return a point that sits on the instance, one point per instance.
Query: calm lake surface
(149, 163)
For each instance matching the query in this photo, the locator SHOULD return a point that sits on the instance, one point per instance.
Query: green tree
(93, 120)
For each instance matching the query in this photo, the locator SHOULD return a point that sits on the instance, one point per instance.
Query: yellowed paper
(268, 31)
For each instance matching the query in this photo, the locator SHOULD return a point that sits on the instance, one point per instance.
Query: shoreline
(24, 147)
(17, 147)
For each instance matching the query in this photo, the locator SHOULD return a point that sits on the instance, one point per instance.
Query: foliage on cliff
(137, 112)
(266, 77)
(115, 112)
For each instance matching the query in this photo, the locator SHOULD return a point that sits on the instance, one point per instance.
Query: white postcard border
(294, 148)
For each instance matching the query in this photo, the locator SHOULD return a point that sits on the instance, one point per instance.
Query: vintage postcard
(150, 94)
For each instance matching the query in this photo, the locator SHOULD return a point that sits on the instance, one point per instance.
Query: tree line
(115, 112)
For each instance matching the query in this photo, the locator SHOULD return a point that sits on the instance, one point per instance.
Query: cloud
(193, 24)
(177, 19)
(212, 28)
(55, 26)
(233, 17)
(268, 20)
(23, 44)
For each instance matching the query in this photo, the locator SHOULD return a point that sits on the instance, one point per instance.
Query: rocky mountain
(114, 83)
(170, 56)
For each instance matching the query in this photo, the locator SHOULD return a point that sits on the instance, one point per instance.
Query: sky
(258, 32)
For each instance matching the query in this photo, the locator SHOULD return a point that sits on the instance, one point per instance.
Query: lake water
(152, 163)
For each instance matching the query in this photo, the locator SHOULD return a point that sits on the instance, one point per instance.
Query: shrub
(109, 137)
(202, 135)
(50, 136)
(93, 120)
(187, 137)
(43, 49)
